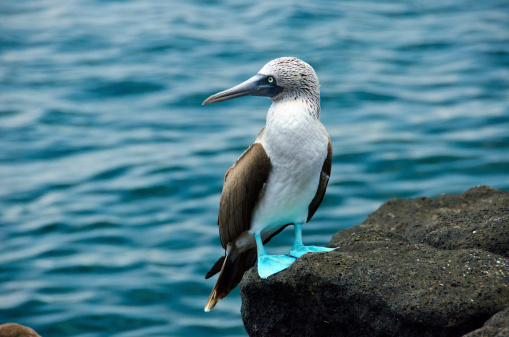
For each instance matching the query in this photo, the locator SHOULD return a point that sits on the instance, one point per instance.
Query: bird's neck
(293, 133)
(293, 110)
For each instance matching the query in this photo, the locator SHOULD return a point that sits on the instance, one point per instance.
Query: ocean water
(111, 170)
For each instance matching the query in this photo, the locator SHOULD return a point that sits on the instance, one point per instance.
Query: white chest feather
(296, 144)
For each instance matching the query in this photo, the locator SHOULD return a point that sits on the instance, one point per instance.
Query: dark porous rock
(497, 326)
(418, 267)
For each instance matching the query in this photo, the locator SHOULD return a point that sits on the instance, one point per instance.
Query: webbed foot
(272, 264)
(301, 250)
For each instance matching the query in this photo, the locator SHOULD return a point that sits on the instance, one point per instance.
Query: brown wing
(242, 186)
(322, 186)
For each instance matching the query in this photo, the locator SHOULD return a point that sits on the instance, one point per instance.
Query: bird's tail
(232, 267)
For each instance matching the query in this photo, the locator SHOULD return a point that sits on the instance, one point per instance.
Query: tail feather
(234, 265)
(216, 268)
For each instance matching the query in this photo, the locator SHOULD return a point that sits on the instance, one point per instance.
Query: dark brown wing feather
(242, 186)
(322, 186)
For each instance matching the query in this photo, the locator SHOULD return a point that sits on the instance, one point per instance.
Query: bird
(278, 181)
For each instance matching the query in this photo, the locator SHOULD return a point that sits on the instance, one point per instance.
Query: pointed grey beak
(255, 86)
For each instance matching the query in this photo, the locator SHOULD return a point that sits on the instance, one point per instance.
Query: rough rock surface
(16, 330)
(496, 326)
(417, 267)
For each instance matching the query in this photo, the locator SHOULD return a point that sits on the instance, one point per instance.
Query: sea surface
(111, 169)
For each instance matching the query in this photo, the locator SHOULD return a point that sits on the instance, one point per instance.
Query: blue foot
(301, 250)
(272, 264)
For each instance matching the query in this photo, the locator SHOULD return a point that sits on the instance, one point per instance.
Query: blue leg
(270, 264)
(299, 249)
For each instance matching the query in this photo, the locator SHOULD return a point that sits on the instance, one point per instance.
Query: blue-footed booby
(279, 180)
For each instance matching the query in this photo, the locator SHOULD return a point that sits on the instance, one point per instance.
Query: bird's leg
(270, 264)
(299, 249)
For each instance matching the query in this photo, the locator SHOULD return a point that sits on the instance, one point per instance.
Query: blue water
(111, 170)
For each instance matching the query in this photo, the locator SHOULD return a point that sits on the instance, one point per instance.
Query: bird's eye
(270, 79)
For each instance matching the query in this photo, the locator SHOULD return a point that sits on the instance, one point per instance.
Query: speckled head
(285, 78)
(296, 77)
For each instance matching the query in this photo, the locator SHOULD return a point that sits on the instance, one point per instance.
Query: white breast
(296, 144)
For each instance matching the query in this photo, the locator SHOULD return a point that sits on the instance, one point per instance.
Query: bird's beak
(255, 86)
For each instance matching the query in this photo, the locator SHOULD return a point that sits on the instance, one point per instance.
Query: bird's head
(282, 78)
